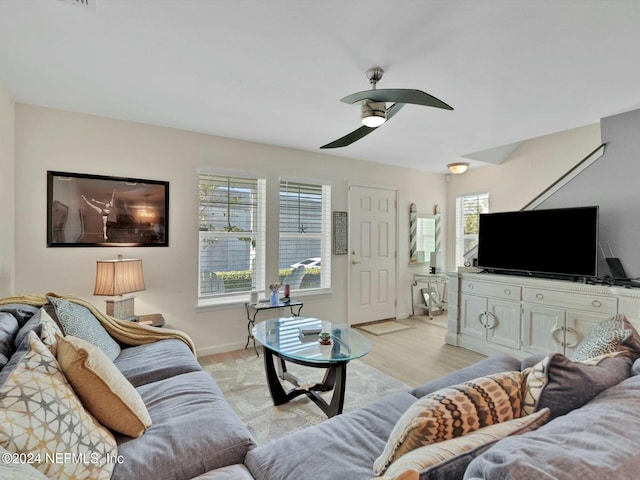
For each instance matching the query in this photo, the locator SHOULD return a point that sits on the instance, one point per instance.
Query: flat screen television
(558, 242)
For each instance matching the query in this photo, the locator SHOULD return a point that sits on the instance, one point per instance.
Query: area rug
(384, 327)
(244, 385)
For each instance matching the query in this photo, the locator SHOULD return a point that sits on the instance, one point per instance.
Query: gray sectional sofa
(195, 434)
(596, 441)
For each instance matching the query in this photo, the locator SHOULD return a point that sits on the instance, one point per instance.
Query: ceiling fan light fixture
(458, 168)
(374, 114)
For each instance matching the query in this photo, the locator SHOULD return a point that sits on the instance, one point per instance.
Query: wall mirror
(424, 235)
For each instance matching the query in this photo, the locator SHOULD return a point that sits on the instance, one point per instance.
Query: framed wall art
(99, 211)
(340, 231)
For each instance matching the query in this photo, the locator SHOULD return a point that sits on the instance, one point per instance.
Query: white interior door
(372, 254)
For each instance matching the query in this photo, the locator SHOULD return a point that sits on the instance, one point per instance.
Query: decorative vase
(273, 299)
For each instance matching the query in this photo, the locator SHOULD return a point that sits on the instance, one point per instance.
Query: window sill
(227, 303)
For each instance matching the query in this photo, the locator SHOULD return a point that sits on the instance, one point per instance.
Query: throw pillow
(452, 412)
(16, 468)
(603, 338)
(41, 415)
(450, 458)
(103, 390)
(8, 330)
(78, 321)
(50, 330)
(44, 326)
(562, 385)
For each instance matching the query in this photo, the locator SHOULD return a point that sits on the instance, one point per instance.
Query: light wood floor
(413, 356)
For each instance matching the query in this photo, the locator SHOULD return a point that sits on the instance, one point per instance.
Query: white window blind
(305, 235)
(468, 210)
(232, 235)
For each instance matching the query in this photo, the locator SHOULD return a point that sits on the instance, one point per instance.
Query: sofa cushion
(342, 447)
(232, 472)
(452, 412)
(78, 321)
(194, 430)
(562, 385)
(497, 363)
(155, 361)
(8, 329)
(103, 390)
(40, 413)
(595, 442)
(449, 459)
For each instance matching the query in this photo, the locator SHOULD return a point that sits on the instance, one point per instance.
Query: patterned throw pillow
(41, 415)
(104, 391)
(604, 338)
(450, 458)
(16, 468)
(562, 385)
(78, 321)
(452, 412)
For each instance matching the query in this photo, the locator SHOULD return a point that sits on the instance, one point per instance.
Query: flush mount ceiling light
(374, 114)
(458, 167)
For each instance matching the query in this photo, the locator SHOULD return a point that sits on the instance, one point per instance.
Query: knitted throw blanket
(129, 333)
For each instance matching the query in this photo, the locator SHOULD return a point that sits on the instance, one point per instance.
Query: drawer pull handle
(576, 336)
(596, 303)
(539, 296)
(470, 286)
(554, 331)
(507, 291)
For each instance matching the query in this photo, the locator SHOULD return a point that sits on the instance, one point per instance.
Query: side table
(153, 320)
(257, 307)
(434, 295)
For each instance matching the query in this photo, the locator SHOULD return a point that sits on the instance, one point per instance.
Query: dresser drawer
(578, 301)
(488, 289)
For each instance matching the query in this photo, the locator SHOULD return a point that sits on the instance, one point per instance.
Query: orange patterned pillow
(452, 412)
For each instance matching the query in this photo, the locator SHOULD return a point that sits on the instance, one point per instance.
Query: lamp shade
(117, 277)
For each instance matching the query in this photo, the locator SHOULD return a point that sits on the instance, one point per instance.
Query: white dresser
(490, 313)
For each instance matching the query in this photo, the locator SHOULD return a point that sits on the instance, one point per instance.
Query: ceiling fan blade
(397, 95)
(349, 138)
(363, 131)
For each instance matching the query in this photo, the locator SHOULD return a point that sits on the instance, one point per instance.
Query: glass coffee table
(283, 339)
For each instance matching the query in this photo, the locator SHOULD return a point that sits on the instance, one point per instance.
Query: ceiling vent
(90, 4)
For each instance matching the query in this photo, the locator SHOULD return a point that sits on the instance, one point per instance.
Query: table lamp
(116, 278)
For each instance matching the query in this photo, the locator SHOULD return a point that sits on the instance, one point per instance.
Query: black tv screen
(559, 241)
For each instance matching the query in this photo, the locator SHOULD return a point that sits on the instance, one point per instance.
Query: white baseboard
(228, 347)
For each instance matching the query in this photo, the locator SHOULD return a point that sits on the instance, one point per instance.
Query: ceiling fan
(374, 106)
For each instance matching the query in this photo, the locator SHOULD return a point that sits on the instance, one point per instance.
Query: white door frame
(349, 255)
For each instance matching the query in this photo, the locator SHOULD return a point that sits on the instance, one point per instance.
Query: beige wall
(49, 139)
(532, 168)
(7, 189)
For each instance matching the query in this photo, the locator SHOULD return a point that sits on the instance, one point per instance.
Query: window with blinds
(232, 235)
(305, 235)
(468, 210)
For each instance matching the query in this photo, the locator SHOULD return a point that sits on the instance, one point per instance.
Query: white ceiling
(273, 71)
